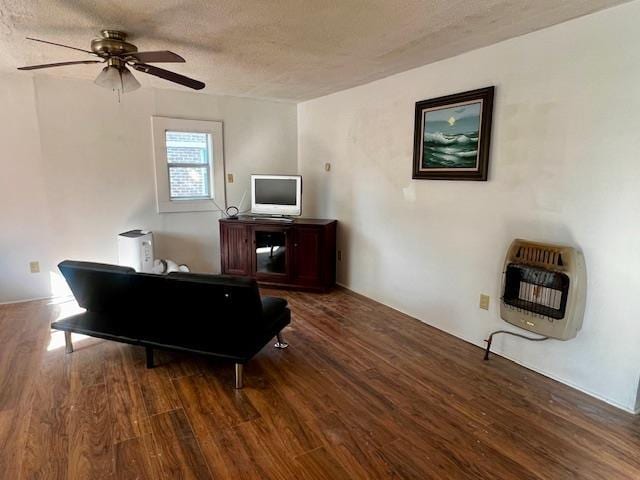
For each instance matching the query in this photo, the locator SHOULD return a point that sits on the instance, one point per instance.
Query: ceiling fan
(113, 49)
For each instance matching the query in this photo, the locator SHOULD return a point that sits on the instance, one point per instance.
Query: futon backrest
(221, 295)
(166, 305)
(98, 287)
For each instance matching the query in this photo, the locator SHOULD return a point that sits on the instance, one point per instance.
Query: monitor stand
(307, 261)
(275, 218)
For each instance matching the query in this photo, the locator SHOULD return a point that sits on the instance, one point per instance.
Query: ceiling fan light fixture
(109, 78)
(119, 79)
(129, 82)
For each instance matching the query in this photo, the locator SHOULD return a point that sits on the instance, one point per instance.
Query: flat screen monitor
(276, 194)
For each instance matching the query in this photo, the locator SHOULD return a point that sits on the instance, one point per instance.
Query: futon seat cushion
(239, 347)
(102, 325)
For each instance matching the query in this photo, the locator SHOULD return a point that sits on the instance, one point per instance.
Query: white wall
(23, 206)
(564, 168)
(77, 169)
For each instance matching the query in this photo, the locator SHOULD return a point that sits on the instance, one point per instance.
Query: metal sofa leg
(68, 344)
(280, 343)
(239, 377)
(149, 352)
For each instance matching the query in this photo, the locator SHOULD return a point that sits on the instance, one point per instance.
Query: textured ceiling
(285, 49)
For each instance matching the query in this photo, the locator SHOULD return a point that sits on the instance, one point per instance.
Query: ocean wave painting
(451, 136)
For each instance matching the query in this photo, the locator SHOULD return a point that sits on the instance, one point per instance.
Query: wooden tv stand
(298, 254)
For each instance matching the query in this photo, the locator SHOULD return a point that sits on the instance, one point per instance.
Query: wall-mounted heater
(544, 290)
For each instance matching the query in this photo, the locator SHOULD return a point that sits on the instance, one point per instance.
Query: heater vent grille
(544, 288)
(539, 255)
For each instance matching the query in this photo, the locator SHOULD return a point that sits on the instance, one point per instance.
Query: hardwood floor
(363, 392)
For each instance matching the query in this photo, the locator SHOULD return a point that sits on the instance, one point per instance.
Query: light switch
(484, 301)
(34, 267)
(327, 167)
(229, 177)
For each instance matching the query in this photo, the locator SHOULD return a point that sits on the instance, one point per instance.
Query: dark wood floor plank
(552, 460)
(87, 364)
(132, 461)
(212, 404)
(90, 441)
(318, 375)
(46, 444)
(300, 382)
(284, 423)
(319, 464)
(445, 434)
(575, 448)
(228, 457)
(158, 393)
(26, 345)
(363, 392)
(271, 459)
(415, 460)
(362, 459)
(125, 399)
(179, 364)
(20, 342)
(178, 450)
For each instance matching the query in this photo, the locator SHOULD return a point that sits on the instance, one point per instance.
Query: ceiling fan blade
(61, 45)
(167, 75)
(163, 56)
(60, 64)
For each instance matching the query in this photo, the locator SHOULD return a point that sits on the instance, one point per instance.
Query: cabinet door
(271, 255)
(235, 249)
(308, 255)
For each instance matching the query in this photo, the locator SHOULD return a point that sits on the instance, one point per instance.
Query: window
(189, 164)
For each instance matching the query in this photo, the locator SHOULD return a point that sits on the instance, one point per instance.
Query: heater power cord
(490, 339)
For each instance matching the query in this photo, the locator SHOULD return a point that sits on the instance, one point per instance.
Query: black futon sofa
(214, 315)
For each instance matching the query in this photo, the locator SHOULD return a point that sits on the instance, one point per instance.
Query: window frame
(215, 166)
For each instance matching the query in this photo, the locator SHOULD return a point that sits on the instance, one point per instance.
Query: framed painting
(452, 136)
